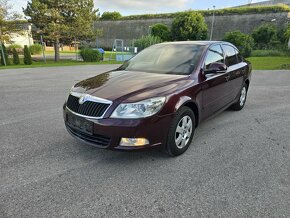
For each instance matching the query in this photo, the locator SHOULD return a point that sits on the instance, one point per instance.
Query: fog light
(132, 142)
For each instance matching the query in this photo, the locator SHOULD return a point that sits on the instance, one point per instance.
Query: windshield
(166, 59)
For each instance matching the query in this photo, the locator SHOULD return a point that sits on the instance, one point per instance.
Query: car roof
(194, 42)
(206, 44)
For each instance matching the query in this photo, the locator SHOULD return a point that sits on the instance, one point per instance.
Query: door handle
(227, 78)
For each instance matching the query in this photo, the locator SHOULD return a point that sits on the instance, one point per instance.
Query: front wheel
(181, 132)
(242, 100)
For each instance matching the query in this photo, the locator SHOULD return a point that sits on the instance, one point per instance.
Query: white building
(23, 38)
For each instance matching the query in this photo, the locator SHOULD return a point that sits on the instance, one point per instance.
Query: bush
(35, 49)
(146, 41)
(5, 55)
(226, 11)
(18, 48)
(189, 26)
(90, 55)
(265, 36)
(111, 15)
(285, 36)
(243, 42)
(15, 57)
(27, 56)
(162, 31)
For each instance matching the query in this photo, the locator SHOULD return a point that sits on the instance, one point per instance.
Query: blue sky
(127, 7)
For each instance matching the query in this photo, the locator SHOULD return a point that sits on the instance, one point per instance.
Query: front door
(216, 88)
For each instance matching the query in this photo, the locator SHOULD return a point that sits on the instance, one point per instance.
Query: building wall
(23, 38)
(133, 29)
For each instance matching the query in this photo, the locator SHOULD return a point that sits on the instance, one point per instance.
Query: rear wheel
(181, 132)
(242, 99)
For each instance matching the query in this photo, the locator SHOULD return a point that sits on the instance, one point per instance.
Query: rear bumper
(107, 133)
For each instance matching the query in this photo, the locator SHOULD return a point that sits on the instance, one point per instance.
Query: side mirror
(215, 68)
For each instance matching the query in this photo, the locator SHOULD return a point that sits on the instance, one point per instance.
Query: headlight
(140, 109)
(71, 89)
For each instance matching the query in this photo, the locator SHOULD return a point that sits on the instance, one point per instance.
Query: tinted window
(166, 59)
(214, 54)
(231, 57)
(239, 57)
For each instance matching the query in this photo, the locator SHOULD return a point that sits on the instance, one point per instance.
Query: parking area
(237, 166)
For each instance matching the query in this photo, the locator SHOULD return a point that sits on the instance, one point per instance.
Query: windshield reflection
(166, 59)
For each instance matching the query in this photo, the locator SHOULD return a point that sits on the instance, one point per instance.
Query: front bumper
(107, 133)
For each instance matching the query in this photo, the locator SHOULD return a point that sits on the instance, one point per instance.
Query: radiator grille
(88, 108)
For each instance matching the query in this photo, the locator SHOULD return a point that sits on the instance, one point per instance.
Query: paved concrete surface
(238, 166)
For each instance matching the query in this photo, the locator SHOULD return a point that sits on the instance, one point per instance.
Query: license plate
(80, 124)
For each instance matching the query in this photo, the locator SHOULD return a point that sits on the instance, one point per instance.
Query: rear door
(236, 69)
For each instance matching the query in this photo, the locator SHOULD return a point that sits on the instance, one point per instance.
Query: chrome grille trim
(90, 98)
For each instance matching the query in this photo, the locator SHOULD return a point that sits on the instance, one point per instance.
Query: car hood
(131, 86)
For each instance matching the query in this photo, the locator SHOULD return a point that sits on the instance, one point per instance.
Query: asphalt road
(238, 165)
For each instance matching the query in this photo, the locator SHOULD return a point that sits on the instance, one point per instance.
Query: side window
(239, 56)
(231, 58)
(214, 54)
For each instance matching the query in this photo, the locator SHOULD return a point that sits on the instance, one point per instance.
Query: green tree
(284, 35)
(111, 15)
(264, 36)
(16, 60)
(5, 56)
(189, 26)
(162, 31)
(62, 19)
(27, 56)
(244, 42)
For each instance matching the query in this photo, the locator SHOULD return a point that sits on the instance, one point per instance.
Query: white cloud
(146, 6)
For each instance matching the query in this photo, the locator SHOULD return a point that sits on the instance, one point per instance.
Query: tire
(239, 105)
(181, 132)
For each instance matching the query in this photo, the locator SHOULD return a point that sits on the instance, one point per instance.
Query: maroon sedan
(159, 97)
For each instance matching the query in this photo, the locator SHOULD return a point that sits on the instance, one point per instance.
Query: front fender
(182, 100)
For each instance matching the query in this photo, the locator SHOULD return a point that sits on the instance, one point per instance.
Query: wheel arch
(187, 102)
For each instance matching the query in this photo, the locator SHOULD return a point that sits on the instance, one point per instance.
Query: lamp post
(29, 34)
(212, 23)
(149, 30)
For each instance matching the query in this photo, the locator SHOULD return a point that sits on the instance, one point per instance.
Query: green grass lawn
(108, 54)
(270, 63)
(61, 63)
(61, 52)
(258, 63)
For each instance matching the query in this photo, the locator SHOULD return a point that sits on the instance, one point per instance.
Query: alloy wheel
(183, 132)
